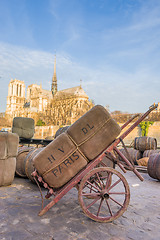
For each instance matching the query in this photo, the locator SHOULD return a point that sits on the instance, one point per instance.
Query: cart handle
(130, 120)
(151, 108)
(120, 138)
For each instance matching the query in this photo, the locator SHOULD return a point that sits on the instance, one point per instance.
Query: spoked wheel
(104, 194)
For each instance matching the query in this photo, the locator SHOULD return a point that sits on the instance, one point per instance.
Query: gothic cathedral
(53, 107)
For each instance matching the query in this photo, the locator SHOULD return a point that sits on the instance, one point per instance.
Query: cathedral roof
(39, 91)
(16, 81)
(75, 91)
(46, 93)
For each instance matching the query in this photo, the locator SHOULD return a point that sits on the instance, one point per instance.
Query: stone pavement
(21, 202)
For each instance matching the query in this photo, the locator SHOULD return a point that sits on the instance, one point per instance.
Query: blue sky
(112, 45)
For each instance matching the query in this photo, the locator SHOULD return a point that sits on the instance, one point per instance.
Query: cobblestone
(21, 202)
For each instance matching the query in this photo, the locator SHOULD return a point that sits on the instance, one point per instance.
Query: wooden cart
(103, 192)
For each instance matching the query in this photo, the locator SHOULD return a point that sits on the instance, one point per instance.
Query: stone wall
(154, 131)
(42, 132)
(45, 131)
(136, 132)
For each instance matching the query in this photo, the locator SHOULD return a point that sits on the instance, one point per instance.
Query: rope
(77, 147)
(89, 137)
(59, 163)
(39, 190)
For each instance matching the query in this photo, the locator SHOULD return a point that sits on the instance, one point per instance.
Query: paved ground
(20, 204)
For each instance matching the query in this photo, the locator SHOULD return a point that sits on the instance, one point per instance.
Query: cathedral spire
(54, 79)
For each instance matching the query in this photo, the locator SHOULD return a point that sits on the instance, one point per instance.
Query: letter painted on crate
(54, 171)
(49, 159)
(71, 159)
(89, 126)
(60, 168)
(67, 162)
(84, 130)
(52, 158)
(61, 149)
(75, 156)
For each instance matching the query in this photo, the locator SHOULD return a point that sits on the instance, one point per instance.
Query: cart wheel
(100, 200)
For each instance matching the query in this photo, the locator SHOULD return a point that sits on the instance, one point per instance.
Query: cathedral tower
(54, 80)
(15, 98)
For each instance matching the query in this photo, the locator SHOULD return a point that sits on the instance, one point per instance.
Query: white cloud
(121, 90)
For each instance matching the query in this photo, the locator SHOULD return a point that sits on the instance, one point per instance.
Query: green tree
(144, 125)
(40, 123)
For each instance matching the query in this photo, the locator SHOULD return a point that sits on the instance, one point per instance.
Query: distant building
(158, 108)
(16, 97)
(53, 107)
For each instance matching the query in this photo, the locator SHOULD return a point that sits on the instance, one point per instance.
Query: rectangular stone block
(24, 127)
(7, 171)
(8, 145)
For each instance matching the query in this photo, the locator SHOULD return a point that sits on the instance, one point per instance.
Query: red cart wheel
(104, 194)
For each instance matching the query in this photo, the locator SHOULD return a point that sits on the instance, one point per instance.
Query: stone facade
(16, 97)
(53, 107)
(68, 105)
